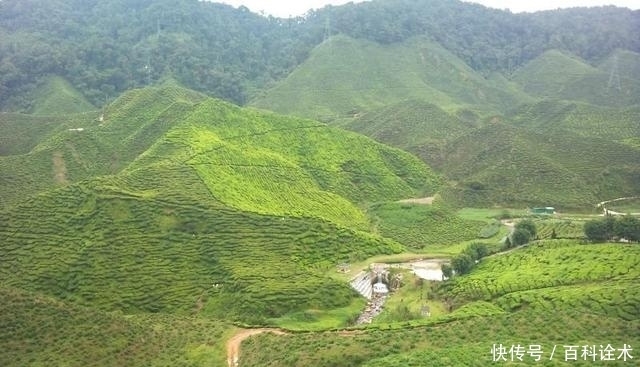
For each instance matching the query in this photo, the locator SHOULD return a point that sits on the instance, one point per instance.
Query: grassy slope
(423, 226)
(131, 125)
(260, 204)
(343, 77)
(552, 293)
(56, 96)
(110, 246)
(419, 127)
(557, 75)
(40, 330)
(524, 167)
(552, 116)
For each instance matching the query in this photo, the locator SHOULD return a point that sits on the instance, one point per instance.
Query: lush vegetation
(422, 227)
(560, 228)
(465, 261)
(136, 227)
(623, 228)
(559, 76)
(105, 47)
(530, 168)
(233, 213)
(336, 82)
(41, 330)
(549, 293)
(544, 264)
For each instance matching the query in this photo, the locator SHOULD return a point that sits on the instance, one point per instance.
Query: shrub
(520, 237)
(529, 226)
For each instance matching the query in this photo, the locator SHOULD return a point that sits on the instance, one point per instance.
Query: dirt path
(424, 201)
(606, 211)
(233, 344)
(59, 168)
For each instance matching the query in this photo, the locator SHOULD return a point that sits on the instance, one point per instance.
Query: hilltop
(340, 80)
(556, 75)
(103, 48)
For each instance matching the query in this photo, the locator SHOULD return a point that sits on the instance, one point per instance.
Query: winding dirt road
(233, 344)
(423, 201)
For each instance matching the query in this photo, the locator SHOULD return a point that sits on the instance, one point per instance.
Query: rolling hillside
(502, 164)
(56, 96)
(344, 77)
(38, 329)
(186, 203)
(609, 123)
(557, 75)
(75, 147)
(416, 126)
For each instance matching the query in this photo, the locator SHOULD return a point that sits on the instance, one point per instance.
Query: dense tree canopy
(600, 230)
(105, 47)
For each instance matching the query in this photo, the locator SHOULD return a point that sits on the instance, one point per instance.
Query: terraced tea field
(136, 254)
(560, 228)
(551, 293)
(423, 227)
(41, 330)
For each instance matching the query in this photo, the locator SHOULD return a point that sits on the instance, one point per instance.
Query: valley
(385, 183)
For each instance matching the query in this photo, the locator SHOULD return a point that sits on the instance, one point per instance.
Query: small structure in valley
(544, 210)
(381, 273)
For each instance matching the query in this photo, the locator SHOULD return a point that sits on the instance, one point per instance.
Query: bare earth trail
(424, 201)
(233, 344)
(611, 212)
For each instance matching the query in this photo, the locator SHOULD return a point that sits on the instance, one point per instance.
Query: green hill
(103, 245)
(551, 116)
(344, 77)
(561, 76)
(75, 147)
(41, 330)
(523, 167)
(184, 201)
(417, 126)
(57, 96)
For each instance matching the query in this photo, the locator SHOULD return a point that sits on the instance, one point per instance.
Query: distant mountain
(559, 76)
(344, 77)
(103, 48)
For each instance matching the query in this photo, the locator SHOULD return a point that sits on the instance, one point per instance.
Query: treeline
(488, 39)
(106, 47)
(524, 231)
(612, 228)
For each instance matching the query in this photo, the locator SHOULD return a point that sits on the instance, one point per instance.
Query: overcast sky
(286, 8)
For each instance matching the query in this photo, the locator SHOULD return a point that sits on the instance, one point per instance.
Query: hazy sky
(285, 8)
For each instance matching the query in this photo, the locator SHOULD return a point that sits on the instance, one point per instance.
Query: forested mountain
(105, 47)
